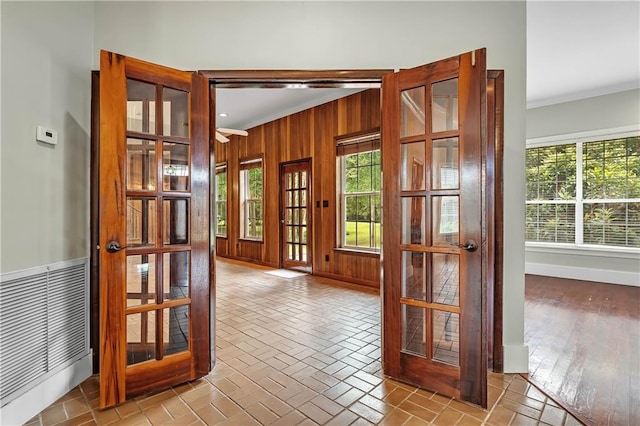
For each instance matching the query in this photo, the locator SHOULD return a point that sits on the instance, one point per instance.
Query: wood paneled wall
(308, 134)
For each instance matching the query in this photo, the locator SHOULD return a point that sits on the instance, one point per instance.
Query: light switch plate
(45, 135)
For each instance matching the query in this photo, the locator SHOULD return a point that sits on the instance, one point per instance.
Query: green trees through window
(251, 199)
(360, 200)
(584, 193)
(221, 201)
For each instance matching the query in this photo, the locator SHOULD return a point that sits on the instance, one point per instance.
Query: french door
(433, 135)
(295, 184)
(154, 252)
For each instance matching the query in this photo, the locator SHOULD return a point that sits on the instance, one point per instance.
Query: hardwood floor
(584, 343)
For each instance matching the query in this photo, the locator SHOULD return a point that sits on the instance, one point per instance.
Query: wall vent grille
(43, 324)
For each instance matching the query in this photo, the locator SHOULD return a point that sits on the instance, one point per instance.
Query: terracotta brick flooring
(301, 351)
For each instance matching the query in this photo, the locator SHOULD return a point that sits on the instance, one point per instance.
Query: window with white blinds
(585, 193)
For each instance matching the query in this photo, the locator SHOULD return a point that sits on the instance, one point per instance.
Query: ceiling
(575, 50)
(247, 108)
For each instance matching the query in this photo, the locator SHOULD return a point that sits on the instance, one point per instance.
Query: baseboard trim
(516, 358)
(36, 399)
(584, 274)
(247, 260)
(364, 283)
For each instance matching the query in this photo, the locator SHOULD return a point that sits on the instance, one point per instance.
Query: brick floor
(301, 351)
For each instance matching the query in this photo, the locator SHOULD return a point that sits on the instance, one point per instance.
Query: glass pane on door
(413, 330)
(414, 275)
(445, 281)
(444, 164)
(176, 329)
(141, 279)
(175, 112)
(141, 337)
(445, 226)
(413, 220)
(175, 167)
(412, 166)
(175, 280)
(412, 107)
(444, 105)
(176, 221)
(140, 118)
(141, 222)
(141, 164)
(446, 337)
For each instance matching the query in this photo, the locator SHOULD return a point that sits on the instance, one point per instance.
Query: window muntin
(251, 219)
(221, 200)
(584, 193)
(359, 176)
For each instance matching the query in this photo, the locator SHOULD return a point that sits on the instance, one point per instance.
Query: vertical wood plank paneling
(353, 113)
(342, 117)
(220, 150)
(233, 188)
(221, 156)
(300, 135)
(324, 185)
(222, 247)
(307, 134)
(271, 220)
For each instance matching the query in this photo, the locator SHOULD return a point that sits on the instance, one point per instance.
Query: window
(221, 200)
(251, 199)
(584, 193)
(358, 160)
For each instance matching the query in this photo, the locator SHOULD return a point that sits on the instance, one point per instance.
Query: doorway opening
(283, 132)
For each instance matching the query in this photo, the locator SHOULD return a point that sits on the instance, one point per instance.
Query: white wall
(334, 35)
(47, 51)
(601, 112)
(571, 121)
(46, 59)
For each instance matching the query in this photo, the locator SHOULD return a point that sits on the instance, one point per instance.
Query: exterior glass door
(295, 210)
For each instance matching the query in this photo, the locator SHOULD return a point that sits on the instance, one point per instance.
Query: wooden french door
(433, 238)
(295, 211)
(155, 286)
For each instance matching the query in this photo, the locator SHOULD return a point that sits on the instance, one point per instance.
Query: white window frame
(341, 236)
(247, 205)
(222, 168)
(578, 247)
